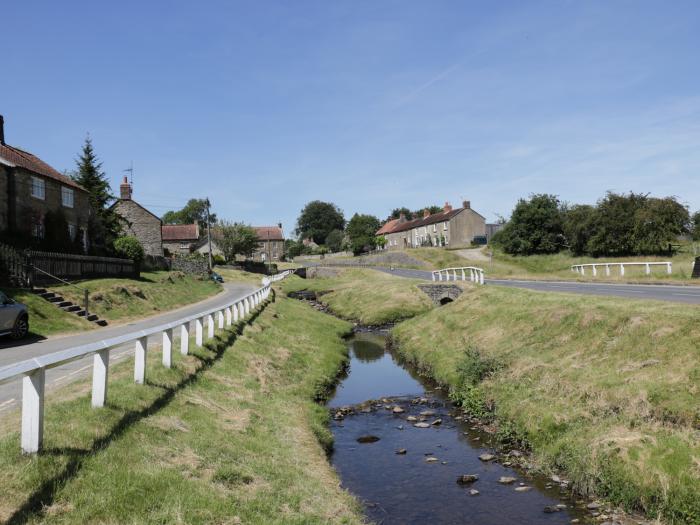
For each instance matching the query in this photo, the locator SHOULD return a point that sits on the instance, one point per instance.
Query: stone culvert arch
(441, 294)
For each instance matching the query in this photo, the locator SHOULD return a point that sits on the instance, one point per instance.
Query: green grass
(45, 318)
(230, 435)
(366, 296)
(607, 390)
(128, 299)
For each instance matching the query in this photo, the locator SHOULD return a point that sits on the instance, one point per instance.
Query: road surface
(657, 292)
(11, 352)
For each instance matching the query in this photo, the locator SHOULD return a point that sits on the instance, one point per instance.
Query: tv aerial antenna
(130, 171)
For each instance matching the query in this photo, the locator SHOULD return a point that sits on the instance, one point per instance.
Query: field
(366, 296)
(231, 434)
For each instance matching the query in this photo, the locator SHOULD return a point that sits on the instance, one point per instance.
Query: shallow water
(405, 488)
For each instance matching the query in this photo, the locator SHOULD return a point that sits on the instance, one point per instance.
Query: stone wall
(187, 265)
(270, 249)
(464, 227)
(441, 293)
(142, 224)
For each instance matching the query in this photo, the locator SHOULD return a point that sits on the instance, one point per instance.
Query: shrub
(129, 247)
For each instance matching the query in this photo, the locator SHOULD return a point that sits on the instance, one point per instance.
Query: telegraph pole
(211, 267)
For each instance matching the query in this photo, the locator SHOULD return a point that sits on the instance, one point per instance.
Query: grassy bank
(367, 296)
(229, 435)
(154, 292)
(607, 390)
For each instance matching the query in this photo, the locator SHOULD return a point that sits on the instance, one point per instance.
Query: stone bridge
(441, 294)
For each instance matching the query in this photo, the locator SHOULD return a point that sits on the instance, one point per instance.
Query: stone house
(271, 247)
(139, 222)
(451, 227)
(30, 189)
(180, 239)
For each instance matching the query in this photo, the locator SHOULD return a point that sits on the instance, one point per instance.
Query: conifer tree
(104, 225)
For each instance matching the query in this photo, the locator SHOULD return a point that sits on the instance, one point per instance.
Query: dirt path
(473, 254)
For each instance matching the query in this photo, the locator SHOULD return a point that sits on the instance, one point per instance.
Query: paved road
(10, 352)
(658, 292)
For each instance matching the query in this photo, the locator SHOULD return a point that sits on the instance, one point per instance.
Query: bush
(129, 247)
(219, 259)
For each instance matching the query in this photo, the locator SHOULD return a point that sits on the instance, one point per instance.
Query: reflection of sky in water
(373, 373)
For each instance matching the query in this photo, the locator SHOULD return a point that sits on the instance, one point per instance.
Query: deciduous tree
(361, 231)
(318, 219)
(194, 211)
(237, 239)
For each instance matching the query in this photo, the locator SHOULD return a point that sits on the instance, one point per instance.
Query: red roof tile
(269, 233)
(180, 232)
(34, 164)
(388, 227)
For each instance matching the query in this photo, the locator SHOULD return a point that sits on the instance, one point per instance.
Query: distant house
(30, 189)
(139, 222)
(309, 243)
(271, 247)
(450, 227)
(180, 239)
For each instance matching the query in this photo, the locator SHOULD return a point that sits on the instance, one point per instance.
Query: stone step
(92, 317)
(39, 291)
(80, 313)
(47, 295)
(101, 322)
(56, 299)
(72, 308)
(64, 304)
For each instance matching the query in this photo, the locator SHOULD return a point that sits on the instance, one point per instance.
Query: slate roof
(180, 232)
(269, 233)
(23, 159)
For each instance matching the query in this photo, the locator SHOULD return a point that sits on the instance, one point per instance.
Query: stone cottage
(271, 247)
(30, 188)
(451, 227)
(139, 222)
(180, 239)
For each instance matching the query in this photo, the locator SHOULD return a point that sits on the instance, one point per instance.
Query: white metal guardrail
(476, 275)
(581, 268)
(33, 371)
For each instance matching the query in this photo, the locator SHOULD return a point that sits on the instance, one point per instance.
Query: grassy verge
(45, 318)
(607, 390)
(126, 299)
(229, 435)
(366, 296)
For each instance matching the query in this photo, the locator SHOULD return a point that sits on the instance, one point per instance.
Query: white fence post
(481, 277)
(433, 274)
(210, 326)
(595, 270)
(235, 312)
(185, 338)
(607, 270)
(669, 269)
(33, 411)
(229, 316)
(140, 360)
(100, 374)
(647, 269)
(221, 319)
(583, 270)
(246, 306)
(167, 347)
(199, 331)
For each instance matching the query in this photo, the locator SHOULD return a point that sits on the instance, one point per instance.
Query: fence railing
(464, 273)
(581, 268)
(33, 371)
(277, 277)
(70, 266)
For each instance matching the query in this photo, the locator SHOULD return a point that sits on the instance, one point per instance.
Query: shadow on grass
(44, 495)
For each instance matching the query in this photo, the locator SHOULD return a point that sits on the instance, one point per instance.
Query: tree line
(617, 225)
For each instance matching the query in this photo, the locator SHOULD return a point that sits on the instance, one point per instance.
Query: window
(67, 197)
(72, 231)
(38, 227)
(434, 228)
(444, 226)
(38, 188)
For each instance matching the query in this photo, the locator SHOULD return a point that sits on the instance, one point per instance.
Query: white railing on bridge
(464, 273)
(33, 371)
(581, 268)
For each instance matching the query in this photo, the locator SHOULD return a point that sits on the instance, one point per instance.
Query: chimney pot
(125, 190)
(2, 130)
(447, 207)
(467, 205)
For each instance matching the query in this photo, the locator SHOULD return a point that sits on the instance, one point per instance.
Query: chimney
(2, 130)
(466, 205)
(402, 217)
(426, 213)
(125, 190)
(447, 207)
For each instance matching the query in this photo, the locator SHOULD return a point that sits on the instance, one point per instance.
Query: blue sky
(372, 105)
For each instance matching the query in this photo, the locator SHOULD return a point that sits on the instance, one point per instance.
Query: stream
(409, 474)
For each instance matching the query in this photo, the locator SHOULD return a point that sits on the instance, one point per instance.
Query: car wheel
(21, 328)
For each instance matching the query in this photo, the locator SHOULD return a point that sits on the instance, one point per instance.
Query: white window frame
(67, 197)
(72, 231)
(444, 226)
(38, 188)
(38, 228)
(434, 228)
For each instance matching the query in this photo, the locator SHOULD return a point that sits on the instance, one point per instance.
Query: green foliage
(396, 213)
(380, 241)
(237, 239)
(536, 226)
(219, 259)
(318, 219)
(104, 225)
(361, 232)
(295, 248)
(194, 211)
(695, 221)
(334, 240)
(578, 224)
(130, 248)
